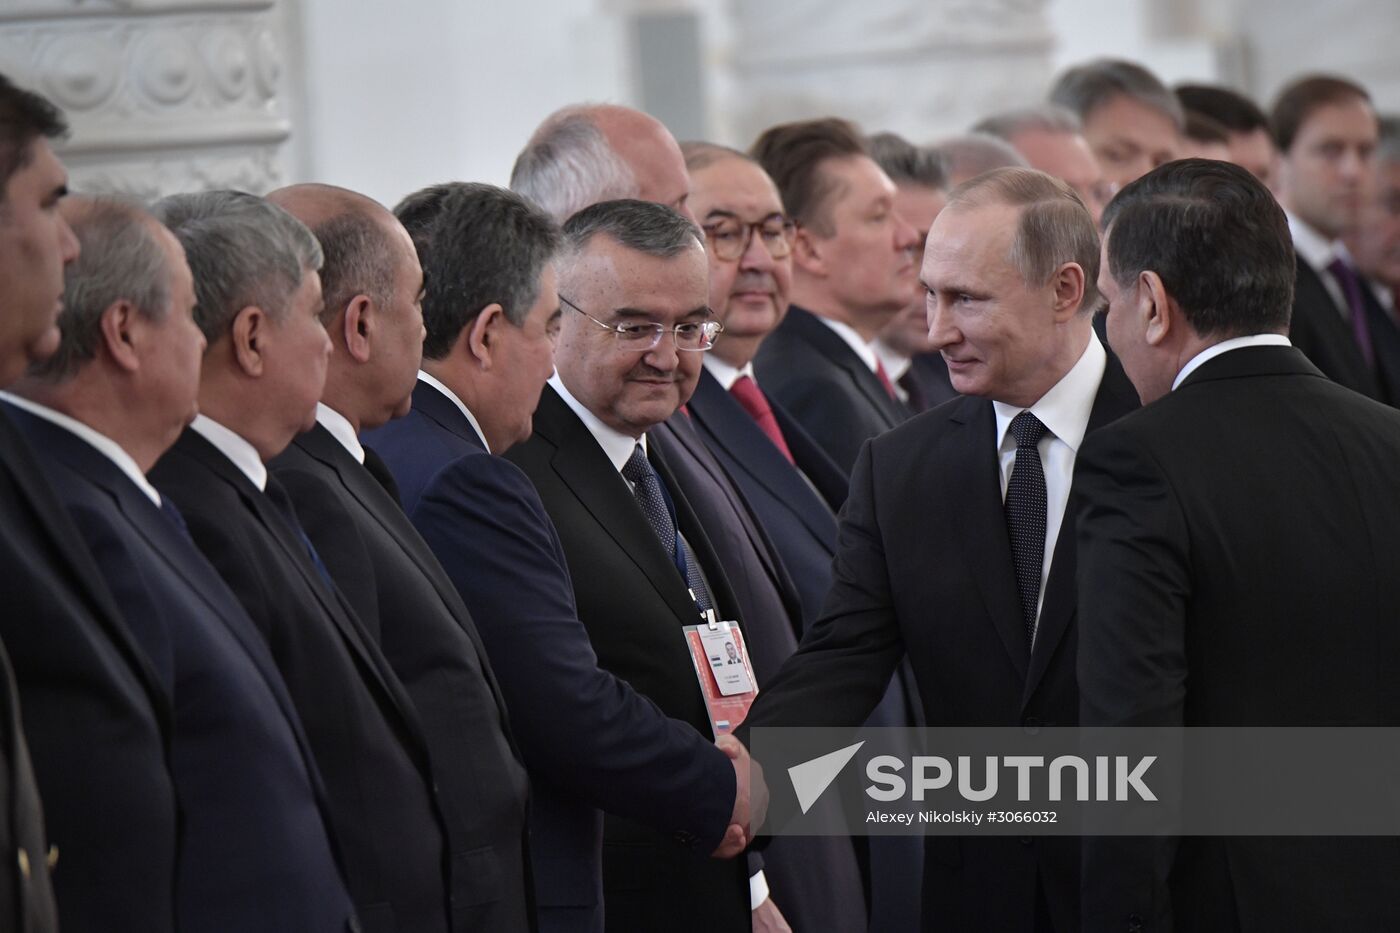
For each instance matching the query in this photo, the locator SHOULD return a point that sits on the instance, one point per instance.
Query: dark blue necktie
(168, 509)
(278, 495)
(652, 499)
(1025, 515)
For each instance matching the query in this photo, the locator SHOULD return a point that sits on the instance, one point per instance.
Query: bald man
(372, 286)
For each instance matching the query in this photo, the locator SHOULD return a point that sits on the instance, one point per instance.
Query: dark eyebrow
(719, 212)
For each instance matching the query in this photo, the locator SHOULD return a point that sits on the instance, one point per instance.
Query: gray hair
(972, 154)
(1043, 118)
(120, 259)
(1086, 87)
(653, 229)
(497, 243)
(568, 165)
(699, 154)
(1054, 226)
(907, 163)
(243, 250)
(358, 260)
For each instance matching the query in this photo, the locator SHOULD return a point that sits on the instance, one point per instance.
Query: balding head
(587, 153)
(372, 283)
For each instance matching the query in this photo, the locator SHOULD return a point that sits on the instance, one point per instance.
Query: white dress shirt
(104, 444)
(461, 406)
(1225, 346)
(856, 342)
(341, 429)
(243, 454)
(1318, 252)
(1064, 411)
(725, 374)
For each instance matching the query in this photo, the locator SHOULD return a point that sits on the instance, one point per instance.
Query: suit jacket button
(22, 857)
(1032, 725)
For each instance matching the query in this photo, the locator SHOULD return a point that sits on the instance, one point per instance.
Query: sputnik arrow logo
(811, 778)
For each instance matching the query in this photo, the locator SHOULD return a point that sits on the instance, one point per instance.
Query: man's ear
(1068, 286)
(483, 334)
(117, 324)
(1160, 311)
(807, 252)
(248, 338)
(357, 327)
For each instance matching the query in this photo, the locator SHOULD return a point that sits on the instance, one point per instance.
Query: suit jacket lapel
(52, 520)
(581, 465)
(1115, 397)
(294, 553)
(967, 469)
(437, 407)
(730, 427)
(325, 449)
(830, 344)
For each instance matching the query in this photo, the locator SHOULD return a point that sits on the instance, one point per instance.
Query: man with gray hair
(982, 601)
(119, 390)
(633, 281)
(259, 304)
(586, 153)
(1131, 121)
(966, 156)
(921, 185)
(1051, 139)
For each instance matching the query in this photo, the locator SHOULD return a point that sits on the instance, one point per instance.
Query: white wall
(402, 95)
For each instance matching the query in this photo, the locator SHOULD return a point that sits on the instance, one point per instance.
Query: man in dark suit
(853, 272)
(97, 722)
(1243, 443)
(255, 852)
(258, 304)
(372, 285)
(634, 285)
(1375, 245)
(590, 741)
(921, 186)
(983, 599)
(1326, 131)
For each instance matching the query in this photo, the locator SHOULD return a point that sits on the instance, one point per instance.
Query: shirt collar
(725, 374)
(1064, 410)
(243, 454)
(617, 446)
(104, 444)
(1312, 247)
(857, 343)
(429, 379)
(341, 429)
(896, 364)
(1225, 346)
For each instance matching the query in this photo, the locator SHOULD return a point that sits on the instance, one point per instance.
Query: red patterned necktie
(884, 378)
(747, 393)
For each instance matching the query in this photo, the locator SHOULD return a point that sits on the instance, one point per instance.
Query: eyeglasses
(730, 238)
(691, 336)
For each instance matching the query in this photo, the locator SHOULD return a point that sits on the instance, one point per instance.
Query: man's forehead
(735, 186)
(616, 276)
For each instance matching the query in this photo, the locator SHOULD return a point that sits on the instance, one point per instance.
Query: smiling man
(981, 600)
(633, 281)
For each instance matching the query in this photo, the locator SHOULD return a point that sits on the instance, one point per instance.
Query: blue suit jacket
(91, 707)
(588, 740)
(255, 852)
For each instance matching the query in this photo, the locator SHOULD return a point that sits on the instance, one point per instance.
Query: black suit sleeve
(1134, 584)
(578, 727)
(846, 659)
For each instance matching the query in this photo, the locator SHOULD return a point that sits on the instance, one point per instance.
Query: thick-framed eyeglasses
(729, 238)
(691, 336)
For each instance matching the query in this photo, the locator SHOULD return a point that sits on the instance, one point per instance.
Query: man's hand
(768, 919)
(737, 836)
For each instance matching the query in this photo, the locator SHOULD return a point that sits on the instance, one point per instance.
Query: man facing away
(1237, 541)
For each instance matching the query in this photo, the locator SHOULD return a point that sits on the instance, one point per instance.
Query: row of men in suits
(255, 697)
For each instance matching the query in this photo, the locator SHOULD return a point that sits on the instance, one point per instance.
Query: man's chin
(45, 345)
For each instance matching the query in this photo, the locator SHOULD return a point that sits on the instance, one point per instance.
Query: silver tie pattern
(647, 488)
(1025, 514)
